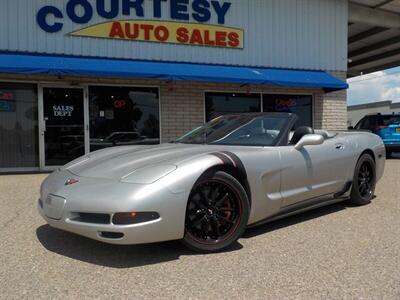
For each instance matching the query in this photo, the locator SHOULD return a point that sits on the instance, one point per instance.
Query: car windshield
(239, 130)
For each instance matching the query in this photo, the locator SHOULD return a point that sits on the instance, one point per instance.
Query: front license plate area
(53, 206)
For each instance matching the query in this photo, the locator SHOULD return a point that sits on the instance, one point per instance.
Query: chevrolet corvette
(208, 186)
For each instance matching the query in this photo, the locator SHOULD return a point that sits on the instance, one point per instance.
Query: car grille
(92, 218)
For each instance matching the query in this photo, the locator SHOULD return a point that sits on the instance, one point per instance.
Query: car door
(313, 171)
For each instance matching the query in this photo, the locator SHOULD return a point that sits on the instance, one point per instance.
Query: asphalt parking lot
(337, 252)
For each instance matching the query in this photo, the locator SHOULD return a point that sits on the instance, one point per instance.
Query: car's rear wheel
(217, 213)
(364, 181)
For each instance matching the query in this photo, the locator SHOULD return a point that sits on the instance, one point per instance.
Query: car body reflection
(122, 138)
(74, 145)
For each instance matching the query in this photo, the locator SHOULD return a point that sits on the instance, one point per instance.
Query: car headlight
(148, 175)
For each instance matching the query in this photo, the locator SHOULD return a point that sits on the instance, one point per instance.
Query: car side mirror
(309, 140)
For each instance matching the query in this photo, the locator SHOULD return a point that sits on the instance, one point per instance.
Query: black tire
(217, 213)
(364, 181)
(389, 154)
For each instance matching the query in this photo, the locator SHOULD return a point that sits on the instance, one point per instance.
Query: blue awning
(99, 67)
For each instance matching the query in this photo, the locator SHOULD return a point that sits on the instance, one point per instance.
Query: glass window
(239, 130)
(218, 104)
(18, 126)
(123, 116)
(301, 105)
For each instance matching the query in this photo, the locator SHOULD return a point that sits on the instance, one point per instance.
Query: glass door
(63, 131)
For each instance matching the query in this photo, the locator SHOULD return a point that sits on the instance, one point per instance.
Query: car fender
(188, 172)
(360, 142)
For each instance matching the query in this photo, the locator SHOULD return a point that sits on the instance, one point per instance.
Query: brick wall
(330, 109)
(182, 102)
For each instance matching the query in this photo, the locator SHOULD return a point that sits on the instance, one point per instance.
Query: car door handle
(339, 146)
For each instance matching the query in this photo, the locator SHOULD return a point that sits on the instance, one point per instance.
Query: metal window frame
(42, 125)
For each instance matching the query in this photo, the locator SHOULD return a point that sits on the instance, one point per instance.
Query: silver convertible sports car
(209, 185)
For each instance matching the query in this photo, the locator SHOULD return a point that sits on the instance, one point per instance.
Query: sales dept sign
(63, 110)
(186, 26)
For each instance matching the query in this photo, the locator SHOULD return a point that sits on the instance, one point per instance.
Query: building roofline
(370, 105)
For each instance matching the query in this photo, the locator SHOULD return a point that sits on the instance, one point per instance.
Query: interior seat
(299, 133)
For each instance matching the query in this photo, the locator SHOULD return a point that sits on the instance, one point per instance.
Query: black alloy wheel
(217, 213)
(364, 181)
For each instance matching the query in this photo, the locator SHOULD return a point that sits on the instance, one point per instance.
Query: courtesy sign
(188, 21)
(166, 32)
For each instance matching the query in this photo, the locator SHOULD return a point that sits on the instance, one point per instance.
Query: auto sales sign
(187, 21)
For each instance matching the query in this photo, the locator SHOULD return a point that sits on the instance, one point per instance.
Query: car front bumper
(142, 233)
(96, 196)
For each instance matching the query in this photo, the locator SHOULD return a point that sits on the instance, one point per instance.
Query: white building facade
(80, 75)
(356, 112)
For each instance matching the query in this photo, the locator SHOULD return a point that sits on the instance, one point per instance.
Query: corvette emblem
(71, 181)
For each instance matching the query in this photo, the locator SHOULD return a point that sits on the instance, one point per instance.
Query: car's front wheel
(217, 213)
(364, 181)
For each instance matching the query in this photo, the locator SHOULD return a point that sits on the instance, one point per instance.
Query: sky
(374, 87)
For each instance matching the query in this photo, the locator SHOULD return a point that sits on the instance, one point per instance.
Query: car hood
(115, 163)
